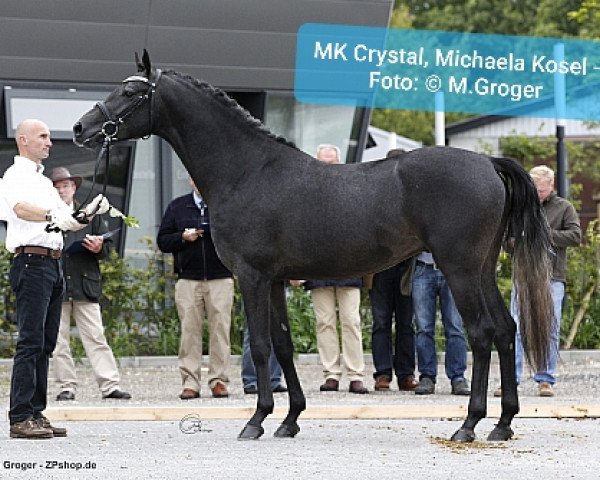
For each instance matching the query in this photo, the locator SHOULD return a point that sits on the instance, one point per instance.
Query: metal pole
(560, 104)
(440, 121)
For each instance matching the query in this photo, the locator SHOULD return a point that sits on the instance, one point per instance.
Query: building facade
(59, 57)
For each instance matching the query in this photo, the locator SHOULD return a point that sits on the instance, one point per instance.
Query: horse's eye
(129, 93)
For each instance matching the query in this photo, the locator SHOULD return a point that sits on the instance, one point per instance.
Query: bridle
(110, 129)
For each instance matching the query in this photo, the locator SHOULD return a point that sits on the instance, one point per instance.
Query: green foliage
(517, 17)
(139, 315)
(527, 149)
(587, 16)
(583, 273)
(7, 308)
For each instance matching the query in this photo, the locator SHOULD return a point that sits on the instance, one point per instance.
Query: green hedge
(140, 317)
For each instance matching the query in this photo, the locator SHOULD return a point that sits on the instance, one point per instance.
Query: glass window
(309, 125)
(145, 197)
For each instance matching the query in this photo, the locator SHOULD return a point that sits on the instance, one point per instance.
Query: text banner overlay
(477, 73)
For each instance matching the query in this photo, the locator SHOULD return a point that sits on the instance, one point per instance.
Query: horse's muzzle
(78, 136)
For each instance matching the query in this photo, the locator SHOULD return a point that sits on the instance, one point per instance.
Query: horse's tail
(532, 266)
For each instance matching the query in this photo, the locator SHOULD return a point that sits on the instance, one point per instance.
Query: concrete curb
(567, 356)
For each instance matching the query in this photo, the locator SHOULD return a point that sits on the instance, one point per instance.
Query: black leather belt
(35, 250)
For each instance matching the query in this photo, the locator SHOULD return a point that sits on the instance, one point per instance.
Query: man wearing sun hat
(81, 270)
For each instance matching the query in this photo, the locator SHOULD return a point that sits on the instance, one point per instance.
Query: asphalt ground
(389, 445)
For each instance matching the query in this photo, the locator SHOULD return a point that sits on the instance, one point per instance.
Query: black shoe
(280, 389)
(357, 386)
(251, 389)
(330, 385)
(118, 395)
(426, 387)
(460, 387)
(65, 395)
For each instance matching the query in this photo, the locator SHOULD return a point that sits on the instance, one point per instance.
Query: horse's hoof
(287, 431)
(251, 432)
(463, 436)
(500, 434)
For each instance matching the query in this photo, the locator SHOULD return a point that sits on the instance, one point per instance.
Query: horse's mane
(229, 102)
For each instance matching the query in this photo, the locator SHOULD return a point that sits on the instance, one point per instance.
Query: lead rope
(80, 215)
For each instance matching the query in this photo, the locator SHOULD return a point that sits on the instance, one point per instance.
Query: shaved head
(33, 140)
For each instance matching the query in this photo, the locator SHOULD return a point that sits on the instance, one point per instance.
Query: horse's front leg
(255, 293)
(284, 350)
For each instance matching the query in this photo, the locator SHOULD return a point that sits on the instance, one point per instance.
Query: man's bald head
(33, 140)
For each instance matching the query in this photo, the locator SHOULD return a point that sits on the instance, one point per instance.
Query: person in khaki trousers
(83, 290)
(346, 294)
(204, 287)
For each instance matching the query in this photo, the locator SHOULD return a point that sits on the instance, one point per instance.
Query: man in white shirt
(33, 204)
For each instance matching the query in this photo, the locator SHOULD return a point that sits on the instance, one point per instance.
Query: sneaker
(460, 387)
(545, 389)
(56, 431)
(280, 389)
(382, 383)
(426, 387)
(29, 429)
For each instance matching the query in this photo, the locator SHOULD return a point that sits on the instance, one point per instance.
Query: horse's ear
(139, 65)
(146, 63)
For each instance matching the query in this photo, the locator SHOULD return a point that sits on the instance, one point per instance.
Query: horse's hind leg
(505, 344)
(468, 295)
(284, 350)
(255, 292)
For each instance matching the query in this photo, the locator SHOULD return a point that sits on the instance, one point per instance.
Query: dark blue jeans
(386, 303)
(428, 285)
(248, 370)
(38, 285)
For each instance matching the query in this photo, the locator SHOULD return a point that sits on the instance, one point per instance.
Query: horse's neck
(215, 145)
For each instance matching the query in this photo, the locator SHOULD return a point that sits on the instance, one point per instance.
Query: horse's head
(127, 111)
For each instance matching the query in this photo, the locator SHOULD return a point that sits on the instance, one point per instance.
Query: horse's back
(451, 193)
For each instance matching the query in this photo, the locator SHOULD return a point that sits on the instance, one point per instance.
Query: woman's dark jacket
(196, 260)
(81, 270)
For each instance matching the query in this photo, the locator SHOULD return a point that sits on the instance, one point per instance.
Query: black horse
(277, 214)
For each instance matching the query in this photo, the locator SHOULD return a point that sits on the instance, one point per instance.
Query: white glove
(99, 201)
(64, 220)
